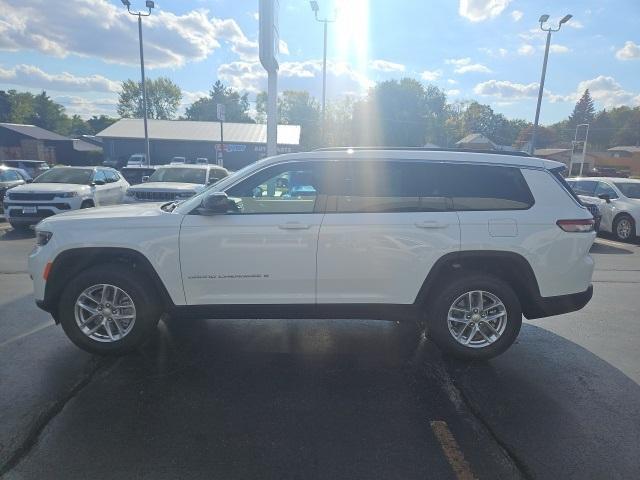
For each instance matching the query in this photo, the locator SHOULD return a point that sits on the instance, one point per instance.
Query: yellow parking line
(452, 451)
(612, 243)
(26, 334)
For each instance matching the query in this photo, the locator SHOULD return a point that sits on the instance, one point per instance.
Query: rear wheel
(624, 228)
(475, 317)
(105, 310)
(87, 204)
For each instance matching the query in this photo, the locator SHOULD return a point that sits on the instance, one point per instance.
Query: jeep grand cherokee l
(463, 243)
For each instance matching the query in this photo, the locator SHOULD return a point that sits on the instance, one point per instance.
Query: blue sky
(489, 50)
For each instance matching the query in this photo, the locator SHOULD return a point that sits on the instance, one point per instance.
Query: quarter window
(585, 187)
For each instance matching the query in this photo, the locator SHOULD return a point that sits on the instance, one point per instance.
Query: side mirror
(98, 182)
(145, 178)
(29, 180)
(605, 197)
(216, 203)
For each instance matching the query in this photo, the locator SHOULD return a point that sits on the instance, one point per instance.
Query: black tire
(437, 314)
(145, 302)
(617, 223)
(87, 204)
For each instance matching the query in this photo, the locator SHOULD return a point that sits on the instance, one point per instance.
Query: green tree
(99, 123)
(583, 112)
(47, 114)
(5, 106)
(601, 131)
(163, 99)
(236, 105)
(629, 132)
(299, 108)
(545, 137)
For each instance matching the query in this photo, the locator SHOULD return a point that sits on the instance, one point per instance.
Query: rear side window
(585, 187)
(486, 187)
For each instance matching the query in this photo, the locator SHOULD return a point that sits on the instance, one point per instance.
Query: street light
(315, 7)
(149, 4)
(543, 19)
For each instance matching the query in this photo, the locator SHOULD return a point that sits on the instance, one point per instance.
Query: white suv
(619, 202)
(464, 243)
(62, 189)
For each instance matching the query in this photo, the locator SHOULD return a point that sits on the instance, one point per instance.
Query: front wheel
(475, 317)
(106, 310)
(624, 228)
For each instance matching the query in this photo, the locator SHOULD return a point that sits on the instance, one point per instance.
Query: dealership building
(244, 143)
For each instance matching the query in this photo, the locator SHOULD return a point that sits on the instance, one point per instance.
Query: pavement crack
(45, 417)
(459, 397)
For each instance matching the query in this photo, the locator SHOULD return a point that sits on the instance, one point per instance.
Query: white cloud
(454, 92)
(386, 66)
(430, 75)
(464, 65)
(283, 48)
(33, 77)
(573, 23)
(104, 30)
(87, 107)
(516, 15)
(526, 49)
(630, 51)
(500, 52)
(505, 89)
(480, 10)
(608, 92)
(299, 75)
(451, 81)
(556, 48)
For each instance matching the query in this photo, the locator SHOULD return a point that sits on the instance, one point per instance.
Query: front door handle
(294, 226)
(431, 224)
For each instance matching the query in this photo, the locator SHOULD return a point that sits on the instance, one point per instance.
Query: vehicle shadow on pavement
(12, 234)
(562, 411)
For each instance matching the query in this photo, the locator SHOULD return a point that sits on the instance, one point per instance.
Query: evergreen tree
(584, 111)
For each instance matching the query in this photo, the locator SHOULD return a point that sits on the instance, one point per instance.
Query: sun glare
(352, 33)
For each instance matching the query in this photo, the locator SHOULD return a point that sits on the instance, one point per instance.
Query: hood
(49, 187)
(118, 213)
(167, 187)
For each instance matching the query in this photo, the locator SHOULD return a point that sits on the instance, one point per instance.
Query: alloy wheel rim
(624, 228)
(477, 319)
(105, 313)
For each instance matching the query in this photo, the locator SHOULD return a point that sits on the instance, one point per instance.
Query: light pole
(543, 20)
(149, 4)
(584, 148)
(315, 7)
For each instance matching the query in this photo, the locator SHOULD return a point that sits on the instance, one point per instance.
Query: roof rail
(424, 149)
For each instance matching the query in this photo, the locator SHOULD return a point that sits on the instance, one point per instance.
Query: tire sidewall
(615, 228)
(438, 313)
(147, 314)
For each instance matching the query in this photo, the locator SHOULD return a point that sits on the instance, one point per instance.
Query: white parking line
(26, 334)
(451, 450)
(612, 243)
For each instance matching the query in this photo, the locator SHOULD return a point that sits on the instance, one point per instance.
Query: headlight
(129, 193)
(67, 194)
(42, 237)
(185, 194)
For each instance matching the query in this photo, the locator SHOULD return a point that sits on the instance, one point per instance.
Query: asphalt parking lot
(323, 399)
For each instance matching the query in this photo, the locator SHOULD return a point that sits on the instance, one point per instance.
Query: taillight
(577, 225)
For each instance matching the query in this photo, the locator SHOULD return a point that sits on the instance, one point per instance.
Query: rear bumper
(549, 306)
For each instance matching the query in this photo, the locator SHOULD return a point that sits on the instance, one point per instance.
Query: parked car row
(63, 189)
(140, 160)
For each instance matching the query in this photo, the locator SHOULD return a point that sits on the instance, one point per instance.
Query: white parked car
(137, 160)
(619, 202)
(175, 182)
(463, 243)
(62, 189)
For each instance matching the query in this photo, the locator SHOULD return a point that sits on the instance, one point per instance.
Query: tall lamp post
(543, 20)
(149, 4)
(315, 7)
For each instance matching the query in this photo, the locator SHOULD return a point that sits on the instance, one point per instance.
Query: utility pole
(149, 4)
(543, 19)
(268, 46)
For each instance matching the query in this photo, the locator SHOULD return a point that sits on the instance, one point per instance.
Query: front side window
(8, 176)
(605, 189)
(76, 176)
(287, 188)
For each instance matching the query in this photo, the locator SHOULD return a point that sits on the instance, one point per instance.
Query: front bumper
(549, 306)
(14, 212)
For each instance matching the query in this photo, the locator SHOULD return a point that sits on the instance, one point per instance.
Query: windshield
(77, 176)
(628, 189)
(180, 175)
(6, 176)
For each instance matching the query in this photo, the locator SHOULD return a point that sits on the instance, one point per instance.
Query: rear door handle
(294, 226)
(431, 224)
